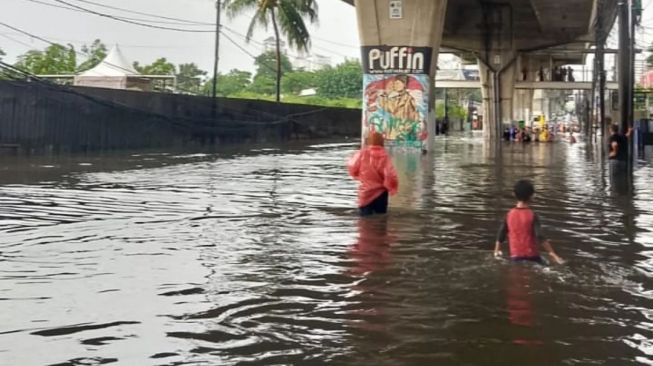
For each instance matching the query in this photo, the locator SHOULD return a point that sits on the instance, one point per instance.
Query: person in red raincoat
(378, 179)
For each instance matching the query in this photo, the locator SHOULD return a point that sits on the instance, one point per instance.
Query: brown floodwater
(258, 257)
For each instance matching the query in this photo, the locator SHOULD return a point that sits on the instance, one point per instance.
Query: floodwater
(258, 257)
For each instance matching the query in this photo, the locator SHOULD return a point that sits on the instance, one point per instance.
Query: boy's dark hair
(524, 190)
(614, 128)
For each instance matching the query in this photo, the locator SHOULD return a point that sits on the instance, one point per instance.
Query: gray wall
(36, 117)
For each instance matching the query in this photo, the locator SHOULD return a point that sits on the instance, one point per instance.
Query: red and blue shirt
(522, 229)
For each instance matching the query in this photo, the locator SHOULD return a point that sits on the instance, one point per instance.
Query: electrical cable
(109, 16)
(145, 14)
(54, 44)
(144, 22)
(121, 17)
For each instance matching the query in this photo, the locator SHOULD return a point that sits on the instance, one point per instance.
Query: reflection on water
(259, 258)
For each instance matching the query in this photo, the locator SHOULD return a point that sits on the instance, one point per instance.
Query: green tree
(344, 80)
(95, 53)
(456, 111)
(55, 60)
(286, 16)
(264, 84)
(189, 78)
(236, 81)
(295, 82)
(159, 67)
(2, 53)
(266, 64)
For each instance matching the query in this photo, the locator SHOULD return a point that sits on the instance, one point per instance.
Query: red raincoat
(373, 168)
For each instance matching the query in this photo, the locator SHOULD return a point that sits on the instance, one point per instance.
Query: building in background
(270, 44)
(311, 62)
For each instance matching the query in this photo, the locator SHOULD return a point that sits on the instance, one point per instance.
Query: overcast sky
(335, 36)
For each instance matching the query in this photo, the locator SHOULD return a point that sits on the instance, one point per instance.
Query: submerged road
(259, 258)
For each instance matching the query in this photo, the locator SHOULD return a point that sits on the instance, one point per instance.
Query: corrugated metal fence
(38, 118)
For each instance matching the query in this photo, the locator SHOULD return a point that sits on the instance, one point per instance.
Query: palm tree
(286, 16)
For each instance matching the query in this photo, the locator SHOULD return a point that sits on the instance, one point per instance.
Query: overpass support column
(400, 44)
(529, 69)
(498, 89)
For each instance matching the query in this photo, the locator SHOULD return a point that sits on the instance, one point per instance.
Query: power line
(56, 44)
(296, 57)
(109, 16)
(122, 17)
(243, 49)
(122, 45)
(15, 40)
(144, 22)
(143, 13)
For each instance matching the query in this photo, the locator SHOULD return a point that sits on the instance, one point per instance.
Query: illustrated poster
(396, 88)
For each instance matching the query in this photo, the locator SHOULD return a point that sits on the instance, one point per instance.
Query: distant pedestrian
(513, 133)
(521, 228)
(557, 75)
(373, 167)
(527, 135)
(506, 134)
(570, 74)
(540, 74)
(618, 149)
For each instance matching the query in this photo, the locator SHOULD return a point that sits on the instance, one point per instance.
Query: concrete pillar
(400, 43)
(498, 89)
(523, 105)
(528, 71)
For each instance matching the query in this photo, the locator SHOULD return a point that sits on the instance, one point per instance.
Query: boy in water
(522, 229)
(373, 168)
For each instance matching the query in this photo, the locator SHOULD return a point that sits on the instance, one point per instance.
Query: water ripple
(258, 258)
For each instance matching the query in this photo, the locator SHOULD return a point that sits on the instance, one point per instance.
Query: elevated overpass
(525, 85)
(510, 39)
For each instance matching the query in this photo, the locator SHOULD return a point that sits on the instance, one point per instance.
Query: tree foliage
(2, 53)
(290, 15)
(266, 64)
(159, 67)
(344, 80)
(189, 78)
(264, 84)
(234, 82)
(295, 82)
(287, 18)
(54, 60)
(96, 52)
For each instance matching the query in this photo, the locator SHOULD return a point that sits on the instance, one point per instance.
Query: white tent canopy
(114, 72)
(115, 64)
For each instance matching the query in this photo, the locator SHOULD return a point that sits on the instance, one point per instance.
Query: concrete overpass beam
(400, 44)
(498, 89)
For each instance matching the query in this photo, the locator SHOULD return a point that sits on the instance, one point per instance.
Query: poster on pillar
(396, 87)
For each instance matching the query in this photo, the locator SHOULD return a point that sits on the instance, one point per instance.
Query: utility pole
(214, 89)
(624, 65)
(600, 65)
(627, 71)
(635, 13)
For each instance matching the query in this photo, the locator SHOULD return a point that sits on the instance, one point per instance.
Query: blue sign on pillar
(396, 87)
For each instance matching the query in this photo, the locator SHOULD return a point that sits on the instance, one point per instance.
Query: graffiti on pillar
(397, 106)
(396, 93)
